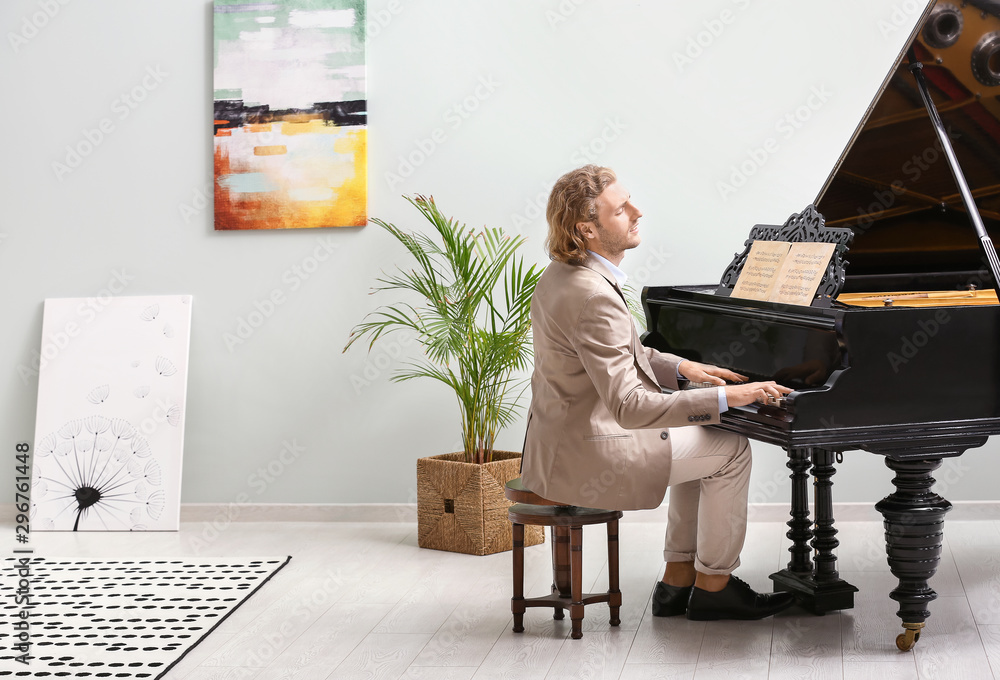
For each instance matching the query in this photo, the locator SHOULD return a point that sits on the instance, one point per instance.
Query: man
(601, 433)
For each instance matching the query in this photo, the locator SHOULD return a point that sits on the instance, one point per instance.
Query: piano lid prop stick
(917, 69)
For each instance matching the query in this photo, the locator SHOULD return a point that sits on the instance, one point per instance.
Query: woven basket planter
(461, 506)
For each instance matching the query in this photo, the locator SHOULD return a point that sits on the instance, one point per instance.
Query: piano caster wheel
(905, 641)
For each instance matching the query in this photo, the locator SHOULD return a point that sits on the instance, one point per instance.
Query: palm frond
(634, 306)
(472, 319)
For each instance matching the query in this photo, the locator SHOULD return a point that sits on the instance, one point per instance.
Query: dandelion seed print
(110, 420)
(99, 395)
(150, 312)
(97, 472)
(164, 367)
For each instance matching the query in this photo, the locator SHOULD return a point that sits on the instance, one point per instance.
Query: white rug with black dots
(127, 618)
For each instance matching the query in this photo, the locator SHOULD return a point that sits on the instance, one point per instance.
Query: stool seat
(560, 515)
(566, 523)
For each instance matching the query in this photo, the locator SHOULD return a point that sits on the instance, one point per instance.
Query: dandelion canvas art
(290, 114)
(109, 431)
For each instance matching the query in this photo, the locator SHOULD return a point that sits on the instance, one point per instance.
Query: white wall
(519, 92)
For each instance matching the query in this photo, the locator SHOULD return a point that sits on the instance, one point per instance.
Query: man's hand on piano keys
(706, 373)
(762, 392)
(736, 395)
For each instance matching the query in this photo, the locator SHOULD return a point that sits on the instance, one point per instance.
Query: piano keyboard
(771, 399)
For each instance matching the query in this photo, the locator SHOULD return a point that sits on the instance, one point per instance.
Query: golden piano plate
(916, 298)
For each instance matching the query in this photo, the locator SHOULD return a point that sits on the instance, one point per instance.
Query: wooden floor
(361, 600)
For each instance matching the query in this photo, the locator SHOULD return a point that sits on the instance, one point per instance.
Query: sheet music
(780, 271)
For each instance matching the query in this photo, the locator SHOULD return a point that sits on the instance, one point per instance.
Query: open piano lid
(893, 185)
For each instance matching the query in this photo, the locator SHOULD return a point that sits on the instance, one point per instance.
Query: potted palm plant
(471, 318)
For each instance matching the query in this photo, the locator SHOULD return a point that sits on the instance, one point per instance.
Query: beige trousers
(707, 511)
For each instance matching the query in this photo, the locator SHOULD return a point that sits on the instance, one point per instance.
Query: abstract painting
(290, 114)
(109, 431)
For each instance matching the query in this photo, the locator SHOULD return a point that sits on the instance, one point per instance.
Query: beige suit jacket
(597, 427)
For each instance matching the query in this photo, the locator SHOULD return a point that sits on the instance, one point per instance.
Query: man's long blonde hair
(574, 199)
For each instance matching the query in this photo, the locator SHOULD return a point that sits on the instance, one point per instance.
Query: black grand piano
(899, 352)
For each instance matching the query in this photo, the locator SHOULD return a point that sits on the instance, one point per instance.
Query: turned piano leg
(800, 525)
(816, 582)
(799, 532)
(914, 529)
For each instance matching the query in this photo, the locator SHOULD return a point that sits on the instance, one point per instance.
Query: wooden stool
(566, 524)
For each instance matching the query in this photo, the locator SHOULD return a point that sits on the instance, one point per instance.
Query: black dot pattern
(130, 618)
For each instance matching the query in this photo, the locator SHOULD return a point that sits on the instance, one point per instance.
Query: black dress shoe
(736, 601)
(670, 600)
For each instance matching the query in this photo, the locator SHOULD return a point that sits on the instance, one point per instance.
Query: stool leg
(517, 607)
(560, 561)
(576, 568)
(561, 585)
(614, 594)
